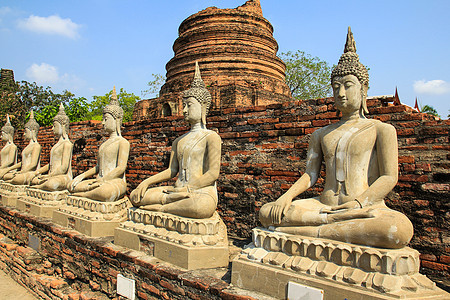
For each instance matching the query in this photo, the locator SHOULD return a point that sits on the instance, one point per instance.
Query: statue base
(10, 193)
(90, 217)
(187, 243)
(41, 203)
(341, 270)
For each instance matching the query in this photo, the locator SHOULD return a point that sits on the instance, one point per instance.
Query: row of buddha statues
(360, 157)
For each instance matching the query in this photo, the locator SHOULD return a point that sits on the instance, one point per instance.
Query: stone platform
(341, 270)
(185, 242)
(90, 217)
(41, 203)
(10, 193)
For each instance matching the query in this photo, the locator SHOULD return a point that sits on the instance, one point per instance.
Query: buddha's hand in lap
(279, 209)
(176, 193)
(75, 182)
(137, 195)
(95, 184)
(340, 208)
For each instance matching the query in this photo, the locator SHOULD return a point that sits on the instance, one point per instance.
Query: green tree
(126, 101)
(154, 86)
(308, 77)
(428, 109)
(77, 109)
(20, 98)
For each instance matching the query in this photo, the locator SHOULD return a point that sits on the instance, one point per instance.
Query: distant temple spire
(396, 98)
(416, 106)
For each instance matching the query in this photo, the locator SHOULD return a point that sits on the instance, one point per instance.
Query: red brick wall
(71, 266)
(264, 152)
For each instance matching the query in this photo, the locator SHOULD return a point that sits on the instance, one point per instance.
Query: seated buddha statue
(21, 173)
(109, 184)
(195, 158)
(360, 158)
(9, 151)
(59, 170)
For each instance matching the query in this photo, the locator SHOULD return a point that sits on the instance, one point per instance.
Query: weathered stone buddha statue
(182, 219)
(109, 184)
(21, 173)
(195, 157)
(48, 189)
(8, 153)
(59, 170)
(360, 157)
(347, 243)
(95, 206)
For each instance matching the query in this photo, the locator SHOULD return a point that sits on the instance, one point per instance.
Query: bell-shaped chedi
(236, 52)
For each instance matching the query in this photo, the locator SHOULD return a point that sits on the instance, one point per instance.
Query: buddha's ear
(118, 126)
(204, 114)
(364, 109)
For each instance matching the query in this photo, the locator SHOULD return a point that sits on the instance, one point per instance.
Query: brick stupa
(236, 52)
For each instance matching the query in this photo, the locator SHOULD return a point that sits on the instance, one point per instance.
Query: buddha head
(7, 131)
(31, 128)
(61, 123)
(350, 79)
(113, 115)
(196, 100)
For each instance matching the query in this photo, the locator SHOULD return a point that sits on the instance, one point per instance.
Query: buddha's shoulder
(33, 146)
(66, 142)
(212, 134)
(117, 140)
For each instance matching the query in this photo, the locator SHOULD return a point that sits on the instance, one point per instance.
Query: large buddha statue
(195, 157)
(9, 152)
(21, 173)
(59, 170)
(360, 158)
(109, 185)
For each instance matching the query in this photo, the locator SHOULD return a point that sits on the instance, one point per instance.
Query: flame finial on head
(350, 44)
(349, 62)
(197, 82)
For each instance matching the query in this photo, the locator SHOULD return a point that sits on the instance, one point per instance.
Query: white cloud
(43, 73)
(51, 25)
(431, 87)
(5, 10)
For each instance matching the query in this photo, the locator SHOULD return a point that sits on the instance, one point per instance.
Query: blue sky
(87, 47)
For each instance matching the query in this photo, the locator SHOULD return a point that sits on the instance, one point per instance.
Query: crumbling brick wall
(264, 153)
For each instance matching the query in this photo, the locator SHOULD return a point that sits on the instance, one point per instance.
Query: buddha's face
(28, 134)
(347, 93)
(5, 136)
(192, 110)
(109, 123)
(57, 129)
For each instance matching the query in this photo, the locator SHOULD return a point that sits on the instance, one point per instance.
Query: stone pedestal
(41, 203)
(185, 242)
(90, 217)
(10, 193)
(341, 270)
